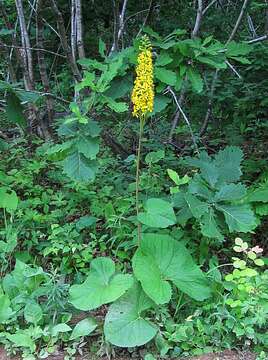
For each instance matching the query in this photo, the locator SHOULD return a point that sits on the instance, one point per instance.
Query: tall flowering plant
(143, 102)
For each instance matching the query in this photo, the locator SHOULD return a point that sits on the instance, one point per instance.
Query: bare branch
(233, 69)
(209, 6)
(238, 21)
(121, 25)
(261, 38)
(35, 49)
(198, 19)
(184, 116)
(80, 41)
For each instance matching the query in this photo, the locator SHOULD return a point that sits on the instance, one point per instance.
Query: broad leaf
(14, 110)
(230, 192)
(159, 213)
(8, 199)
(239, 218)
(125, 325)
(33, 312)
(197, 207)
(5, 309)
(228, 162)
(83, 328)
(79, 168)
(88, 146)
(195, 79)
(161, 259)
(102, 286)
(166, 76)
(209, 226)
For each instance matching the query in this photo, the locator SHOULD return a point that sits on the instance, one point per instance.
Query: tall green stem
(138, 177)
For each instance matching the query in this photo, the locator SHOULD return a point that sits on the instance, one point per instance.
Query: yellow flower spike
(143, 91)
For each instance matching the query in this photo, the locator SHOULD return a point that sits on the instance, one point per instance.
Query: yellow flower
(143, 91)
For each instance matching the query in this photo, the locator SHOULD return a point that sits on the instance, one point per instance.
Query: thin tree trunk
(25, 41)
(73, 29)
(64, 41)
(80, 39)
(41, 60)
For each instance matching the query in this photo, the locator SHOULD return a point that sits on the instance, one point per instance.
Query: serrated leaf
(101, 286)
(159, 260)
(79, 168)
(88, 146)
(209, 226)
(166, 76)
(83, 328)
(236, 49)
(230, 192)
(239, 218)
(159, 213)
(228, 162)
(21, 339)
(160, 103)
(197, 207)
(125, 325)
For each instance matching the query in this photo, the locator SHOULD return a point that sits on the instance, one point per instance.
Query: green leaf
(230, 192)
(14, 110)
(154, 157)
(125, 325)
(195, 79)
(239, 218)
(85, 222)
(159, 213)
(161, 259)
(163, 59)
(4, 32)
(88, 146)
(8, 199)
(241, 60)
(197, 207)
(209, 226)
(228, 162)
(118, 107)
(166, 76)
(33, 312)
(60, 328)
(87, 81)
(174, 176)
(236, 49)
(84, 328)
(79, 168)
(259, 195)
(5, 309)
(102, 286)
(217, 62)
(21, 339)
(160, 103)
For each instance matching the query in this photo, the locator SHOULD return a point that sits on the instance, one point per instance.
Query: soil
(226, 355)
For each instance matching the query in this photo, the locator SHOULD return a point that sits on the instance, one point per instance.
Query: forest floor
(226, 355)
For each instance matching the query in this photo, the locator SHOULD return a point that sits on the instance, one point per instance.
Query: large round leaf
(160, 259)
(159, 213)
(102, 286)
(125, 325)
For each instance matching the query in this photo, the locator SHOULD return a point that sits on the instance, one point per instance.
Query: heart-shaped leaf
(125, 324)
(161, 259)
(102, 286)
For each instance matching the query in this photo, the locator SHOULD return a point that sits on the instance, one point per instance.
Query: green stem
(138, 177)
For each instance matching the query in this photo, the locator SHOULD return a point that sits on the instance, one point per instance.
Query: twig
(31, 48)
(184, 116)
(209, 6)
(239, 19)
(261, 38)
(233, 69)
